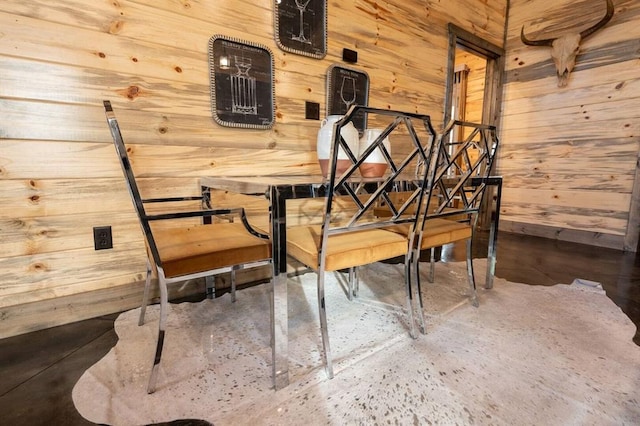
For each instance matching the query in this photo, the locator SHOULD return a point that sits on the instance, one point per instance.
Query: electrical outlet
(102, 238)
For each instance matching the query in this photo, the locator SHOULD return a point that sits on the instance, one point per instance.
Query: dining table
(278, 189)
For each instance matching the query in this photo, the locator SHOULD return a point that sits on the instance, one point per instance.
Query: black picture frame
(300, 26)
(242, 83)
(347, 86)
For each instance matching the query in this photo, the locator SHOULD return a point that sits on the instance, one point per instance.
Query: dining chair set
(431, 195)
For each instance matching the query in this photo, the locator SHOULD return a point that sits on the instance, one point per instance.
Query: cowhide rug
(529, 355)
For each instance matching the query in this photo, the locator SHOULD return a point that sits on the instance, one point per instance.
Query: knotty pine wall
(58, 172)
(570, 156)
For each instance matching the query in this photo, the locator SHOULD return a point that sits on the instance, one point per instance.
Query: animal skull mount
(564, 49)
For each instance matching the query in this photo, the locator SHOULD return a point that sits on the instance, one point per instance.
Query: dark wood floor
(39, 369)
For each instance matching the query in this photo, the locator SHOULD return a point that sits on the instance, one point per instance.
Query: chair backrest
(460, 177)
(411, 142)
(130, 179)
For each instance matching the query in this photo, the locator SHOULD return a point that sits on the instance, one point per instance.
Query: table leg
(493, 235)
(279, 320)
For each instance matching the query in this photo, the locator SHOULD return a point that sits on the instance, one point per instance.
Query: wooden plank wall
(58, 172)
(569, 156)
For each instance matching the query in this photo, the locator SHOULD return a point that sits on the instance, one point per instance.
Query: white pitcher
(375, 164)
(323, 146)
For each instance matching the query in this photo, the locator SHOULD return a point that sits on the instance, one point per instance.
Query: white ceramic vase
(375, 164)
(323, 145)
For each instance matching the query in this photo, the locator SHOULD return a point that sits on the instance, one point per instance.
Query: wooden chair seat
(202, 248)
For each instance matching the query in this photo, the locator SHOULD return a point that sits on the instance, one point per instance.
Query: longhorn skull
(564, 49)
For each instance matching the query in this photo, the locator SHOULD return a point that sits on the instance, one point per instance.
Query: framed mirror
(300, 26)
(242, 83)
(346, 87)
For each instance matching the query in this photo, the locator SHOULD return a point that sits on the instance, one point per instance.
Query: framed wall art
(242, 83)
(300, 26)
(346, 87)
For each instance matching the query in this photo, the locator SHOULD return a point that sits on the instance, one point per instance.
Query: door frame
(492, 99)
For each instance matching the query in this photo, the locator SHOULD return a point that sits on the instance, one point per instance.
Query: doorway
(483, 64)
(474, 88)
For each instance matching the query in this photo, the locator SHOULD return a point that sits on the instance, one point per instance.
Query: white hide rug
(529, 355)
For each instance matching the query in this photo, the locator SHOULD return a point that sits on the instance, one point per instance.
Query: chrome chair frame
(154, 260)
(348, 185)
(459, 184)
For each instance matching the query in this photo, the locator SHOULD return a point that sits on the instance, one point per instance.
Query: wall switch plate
(102, 238)
(349, 55)
(311, 110)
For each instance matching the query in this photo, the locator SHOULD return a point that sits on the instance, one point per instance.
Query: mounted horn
(564, 49)
(604, 21)
(525, 40)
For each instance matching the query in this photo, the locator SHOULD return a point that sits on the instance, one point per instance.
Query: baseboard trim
(28, 317)
(562, 234)
(34, 316)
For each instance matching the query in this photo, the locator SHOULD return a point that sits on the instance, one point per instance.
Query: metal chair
(188, 251)
(455, 198)
(351, 235)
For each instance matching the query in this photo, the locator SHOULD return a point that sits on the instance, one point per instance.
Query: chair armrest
(207, 213)
(172, 199)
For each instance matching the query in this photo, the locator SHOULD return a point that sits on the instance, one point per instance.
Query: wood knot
(178, 69)
(133, 92)
(35, 199)
(163, 130)
(102, 55)
(116, 27)
(38, 267)
(18, 223)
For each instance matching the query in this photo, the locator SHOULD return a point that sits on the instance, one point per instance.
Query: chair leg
(233, 284)
(416, 271)
(145, 295)
(272, 319)
(354, 283)
(210, 285)
(326, 348)
(472, 280)
(432, 265)
(162, 324)
(407, 279)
